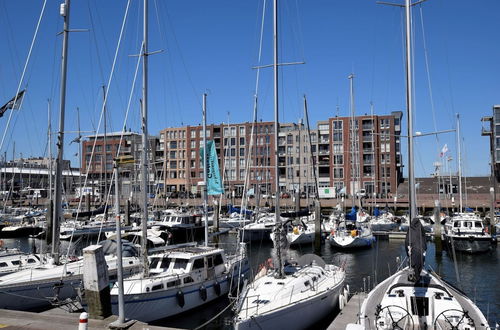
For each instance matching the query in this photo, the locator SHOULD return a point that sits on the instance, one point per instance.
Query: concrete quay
(58, 319)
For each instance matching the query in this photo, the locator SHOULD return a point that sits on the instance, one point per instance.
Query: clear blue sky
(211, 46)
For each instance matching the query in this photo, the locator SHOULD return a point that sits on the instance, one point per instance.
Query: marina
(287, 212)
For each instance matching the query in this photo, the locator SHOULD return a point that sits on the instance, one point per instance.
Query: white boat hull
(147, 307)
(300, 315)
(348, 242)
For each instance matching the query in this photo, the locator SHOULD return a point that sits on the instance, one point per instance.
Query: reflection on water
(364, 268)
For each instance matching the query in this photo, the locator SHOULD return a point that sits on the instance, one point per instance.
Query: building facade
(362, 155)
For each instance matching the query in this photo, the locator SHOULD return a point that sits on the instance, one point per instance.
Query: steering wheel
(396, 323)
(452, 319)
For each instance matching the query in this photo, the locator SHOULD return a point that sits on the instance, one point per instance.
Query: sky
(213, 47)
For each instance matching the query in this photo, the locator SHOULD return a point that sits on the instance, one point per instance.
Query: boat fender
(346, 296)
(341, 301)
(180, 298)
(217, 288)
(203, 293)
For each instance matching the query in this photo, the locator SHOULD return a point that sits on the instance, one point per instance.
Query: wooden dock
(349, 314)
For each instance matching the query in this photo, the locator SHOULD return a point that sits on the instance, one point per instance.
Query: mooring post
(96, 282)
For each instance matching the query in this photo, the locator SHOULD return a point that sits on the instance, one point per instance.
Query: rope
(102, 112)
(216, 316)
(24, 72)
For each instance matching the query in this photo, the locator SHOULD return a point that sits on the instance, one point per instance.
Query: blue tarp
(351, 215)
(468, 209)
(376, 212)
(233, 209)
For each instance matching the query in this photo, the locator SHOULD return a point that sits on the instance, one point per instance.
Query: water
(364, 268)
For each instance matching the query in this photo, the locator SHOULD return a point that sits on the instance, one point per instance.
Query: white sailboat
(351, 235)
(414, 298)
(288, 295)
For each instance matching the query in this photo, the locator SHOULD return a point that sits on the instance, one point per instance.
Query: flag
(444, 150)
(14, 103)
(214, 184)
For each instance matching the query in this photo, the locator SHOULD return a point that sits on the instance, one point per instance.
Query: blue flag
(214, 184)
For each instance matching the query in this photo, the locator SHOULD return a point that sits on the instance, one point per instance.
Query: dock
(349, 314)
(58, 319)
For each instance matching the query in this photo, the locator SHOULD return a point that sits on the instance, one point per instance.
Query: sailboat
(415, 298)
(293, 294)
(181, 278)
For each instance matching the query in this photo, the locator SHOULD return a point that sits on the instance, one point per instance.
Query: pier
(349, 314)
(59, 319)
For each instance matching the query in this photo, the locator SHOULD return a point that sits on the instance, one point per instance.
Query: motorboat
(466, 232)
(180, 280)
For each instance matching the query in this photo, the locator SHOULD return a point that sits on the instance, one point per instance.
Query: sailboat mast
(205, 163)
(49, 136)
(276, 135)
(144, 154)
(354, 171)
(313, 161)
(64, 11)
(409, 111)
(459, 155)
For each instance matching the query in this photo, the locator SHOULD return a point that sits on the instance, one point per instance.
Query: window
(180, 264)
(289, 139)
(218, 260)
(242, 152)
(157, 287)
(3, 264)
(16, 262)
(193, 144)
(31, 261)
(323, 127)
(173, 283)
(337, 124)
(242, 130)
(337, 136)
(338, 173)
(242, 141)
(188, 279)
(338, 159)
(198, 264)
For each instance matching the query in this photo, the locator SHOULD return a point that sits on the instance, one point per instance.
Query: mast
(409, 111)
(144, 155)
(313, 161)
(276, 137)
(64, 11)
(105, 198)
(49, 135)
(354, 156)
(205, 163)
(459, 165)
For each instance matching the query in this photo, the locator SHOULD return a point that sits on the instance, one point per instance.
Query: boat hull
(293, 316)
(469, 244)
(351, 242)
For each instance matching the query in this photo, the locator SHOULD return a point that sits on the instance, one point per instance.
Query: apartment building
(98, 162)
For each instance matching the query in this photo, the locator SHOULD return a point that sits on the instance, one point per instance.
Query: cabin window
(154, 263)
(173, 283)
(210, 262)
(31, 261)
(455, 224)
(218, 260)
(165, 263)
(477, 224)
(420, 306)
(180, 263)
(188, 279)
(3, 264)
(16, 262)
(306, 283)
(198, 264)
(157, 287)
